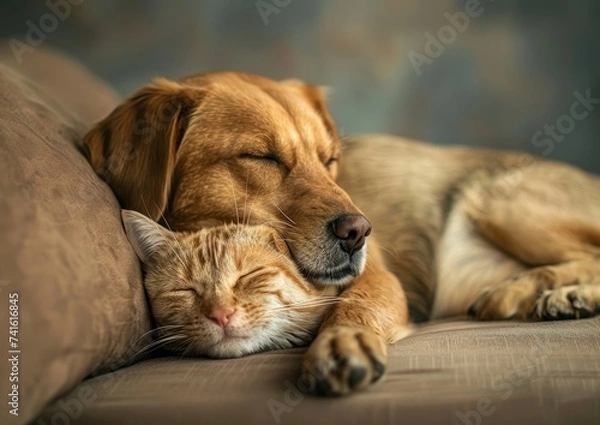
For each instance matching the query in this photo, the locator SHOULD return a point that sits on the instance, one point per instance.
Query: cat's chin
(231, 347)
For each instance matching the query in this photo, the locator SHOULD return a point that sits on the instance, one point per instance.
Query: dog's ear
(134, 148)
(316, 97)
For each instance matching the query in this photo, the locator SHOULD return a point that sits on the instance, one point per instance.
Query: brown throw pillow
(80, 303)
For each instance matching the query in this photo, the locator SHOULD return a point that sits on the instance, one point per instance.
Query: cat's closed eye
(185, 291)
(181, 296)
(253, 278)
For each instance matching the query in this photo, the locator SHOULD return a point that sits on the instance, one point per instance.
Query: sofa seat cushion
(445, 373)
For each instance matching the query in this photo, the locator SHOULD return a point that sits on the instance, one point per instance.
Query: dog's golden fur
(226, 147)
(501, 235)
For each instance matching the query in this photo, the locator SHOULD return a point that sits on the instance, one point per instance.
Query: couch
(82, 318)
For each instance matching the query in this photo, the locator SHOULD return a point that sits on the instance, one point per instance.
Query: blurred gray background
(514, 74)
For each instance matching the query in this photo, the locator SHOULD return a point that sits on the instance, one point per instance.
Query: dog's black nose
(351, 230)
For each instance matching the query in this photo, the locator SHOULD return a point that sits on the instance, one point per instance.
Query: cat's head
(225, 291)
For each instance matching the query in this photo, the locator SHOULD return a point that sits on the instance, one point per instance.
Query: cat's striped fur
(244, 269)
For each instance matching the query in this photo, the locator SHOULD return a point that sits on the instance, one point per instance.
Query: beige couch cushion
(62, 248)
(446, 373)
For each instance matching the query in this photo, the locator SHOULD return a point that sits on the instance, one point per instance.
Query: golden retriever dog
(232, 147)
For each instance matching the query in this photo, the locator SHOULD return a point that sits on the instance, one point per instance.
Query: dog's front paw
(568, 302)
(344, 359)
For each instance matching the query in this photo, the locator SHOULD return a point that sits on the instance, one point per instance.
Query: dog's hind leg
(564, 291)
(547, 216)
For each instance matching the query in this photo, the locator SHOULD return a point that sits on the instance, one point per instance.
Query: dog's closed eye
(262, 157)
(330, 161)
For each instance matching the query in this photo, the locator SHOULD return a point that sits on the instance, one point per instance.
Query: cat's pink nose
(221, 315)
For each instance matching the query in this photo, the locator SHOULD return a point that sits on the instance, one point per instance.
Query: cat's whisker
(246, 219)
(145, 206)
(301, 307)
(166, 339)
(151, 331)
(249, 216)
(276, 223)
(235, 203)
(311, 303)
(165, 221)
(283, 214)
(178, 254)
(321, 302)
(141, 337)
(166, 327)
(178, 347)
(190, 344)
(323, 296)
(295, 230)
(159, 343)
(164, 342)
(161, 213)
(277, 206)
(178, 251)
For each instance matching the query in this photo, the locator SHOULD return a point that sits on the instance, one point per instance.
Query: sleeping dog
(501, 235)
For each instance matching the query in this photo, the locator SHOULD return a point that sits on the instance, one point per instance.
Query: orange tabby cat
(225, 291)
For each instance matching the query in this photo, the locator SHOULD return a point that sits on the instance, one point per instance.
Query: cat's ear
(145, 235)
(279, 244)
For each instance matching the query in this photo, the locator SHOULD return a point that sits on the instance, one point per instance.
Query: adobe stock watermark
(435, 44)
(551, 134)
(38, 30)
(13, 353)
(547, 137)
(266, 8)
(503, 386)
(292, 397)
(71, 407)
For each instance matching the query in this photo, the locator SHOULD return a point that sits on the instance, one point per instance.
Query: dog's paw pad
(568, 302)
(343, 360)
